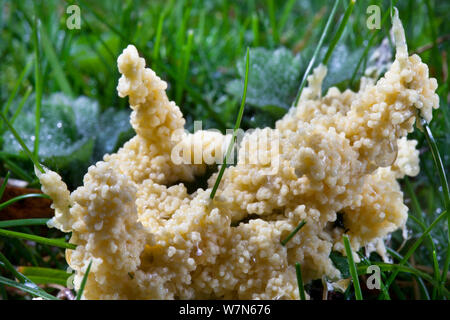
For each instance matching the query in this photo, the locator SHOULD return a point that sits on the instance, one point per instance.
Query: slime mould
(340, 153)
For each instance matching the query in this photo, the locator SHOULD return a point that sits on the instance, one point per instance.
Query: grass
(236, 127)
(23, 222)
(316, 52)
(352, 268)
(301, 288)
(385, 17)
(9, 202)
(32, 156)
(195, 46)
(292, 234)
(38, 239)
(38, 88)
(83, 282)
(339, 32)
(445, 191)
(414, 247)
(22, 75)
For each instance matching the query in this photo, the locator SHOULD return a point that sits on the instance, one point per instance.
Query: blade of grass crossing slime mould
(352, 268)
(83, 282)
(236, 127)
(301, 288)
(292, 234)
(316, 52)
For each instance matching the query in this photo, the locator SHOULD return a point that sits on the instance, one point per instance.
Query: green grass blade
(255, 29)
(352, 268)
(370, 44)
(100, 17)
(273, 22)
(418, 218)
(54, 61)
(25, 283)
(367, 262)
(437, 276)
(22, 75)
(83, 282)
(301, 288)
(48, 280)
(194, 94)
(416, 208)
(391, 267)
(38, 239)
(292, 234)
(21, 197)
(236, 127)
(16, 170)
(23, 222)
(445, 190)
(413, 248)
(422, 286)
(38, 87)
(100, 40)
(197, 96)
(21, 104)
(43, 272)
(242, 32)
(27, 287)
(316, 52)
(26, 252)
(431, 19)
(398, 291)
(22, 143)
(340, 31)
(185, 66)
(432, 247)
(285, 15)
(45, 275)
(159, 28)
(181, 46)
(439, 165)
(7, 265)
(3, 186)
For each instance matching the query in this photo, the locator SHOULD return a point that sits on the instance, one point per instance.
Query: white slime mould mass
(340, 153)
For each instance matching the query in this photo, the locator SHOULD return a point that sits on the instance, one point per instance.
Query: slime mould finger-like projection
(337, 154)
